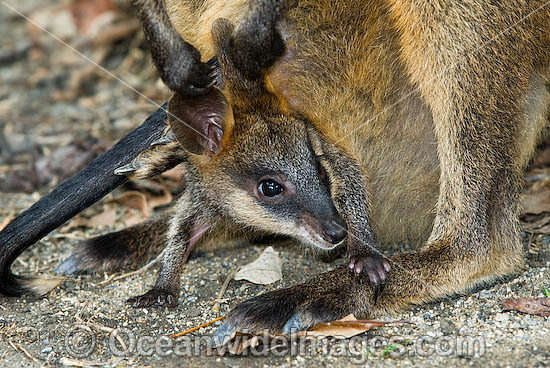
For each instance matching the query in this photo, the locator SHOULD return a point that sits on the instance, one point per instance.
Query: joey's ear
(199, 123)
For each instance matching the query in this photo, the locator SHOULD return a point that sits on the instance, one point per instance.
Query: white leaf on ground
(264, 270)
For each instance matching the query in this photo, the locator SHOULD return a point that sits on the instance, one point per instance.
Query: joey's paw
(282, 311)
(154, 298)
(374, 266)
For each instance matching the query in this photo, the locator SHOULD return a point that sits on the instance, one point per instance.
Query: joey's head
(259, 169)
(276, 181)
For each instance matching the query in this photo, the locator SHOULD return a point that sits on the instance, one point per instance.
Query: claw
(293, 325)
(387, 266)
(153, 298)
(373, 277)
(127, 169)
(213, 63)
(377, 291)
(374, 267)
(223, 334)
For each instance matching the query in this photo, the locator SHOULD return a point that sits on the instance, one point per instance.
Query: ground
(45, 109)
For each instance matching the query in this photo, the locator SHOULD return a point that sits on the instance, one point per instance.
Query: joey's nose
(334, 231)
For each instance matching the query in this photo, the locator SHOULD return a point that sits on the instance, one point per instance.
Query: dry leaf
(56, 18)
(74, 19)
(141, 202)
(86, 13)
(105, 218)
(131, 218)
(67, 159)
(133, 199)
(264, 270)
(5, 221)
(174, 174)
(537, 198)
(159, 201)
(239, 342)
(345, 328)
(537, 306)
(138, 209)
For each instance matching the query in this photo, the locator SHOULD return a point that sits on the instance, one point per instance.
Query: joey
(270, 166)
(263, 188)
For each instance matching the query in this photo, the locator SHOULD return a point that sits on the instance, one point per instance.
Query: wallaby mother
(440, 102)
(440, 105)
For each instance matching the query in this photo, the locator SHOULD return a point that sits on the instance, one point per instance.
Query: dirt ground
(57, 112)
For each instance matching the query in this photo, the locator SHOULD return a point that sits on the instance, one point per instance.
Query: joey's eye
(270, 188)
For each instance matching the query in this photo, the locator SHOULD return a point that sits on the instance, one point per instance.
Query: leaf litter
(535, 306)
(535, 204)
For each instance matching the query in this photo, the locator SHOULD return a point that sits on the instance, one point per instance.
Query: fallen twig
(79, 314)
(102, 328)
(107, 280)
(81, 363)
(21, 349)
(216, 307)
(136, 272)
(197, 327)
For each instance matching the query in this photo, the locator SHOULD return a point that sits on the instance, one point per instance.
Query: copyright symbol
(80, 341)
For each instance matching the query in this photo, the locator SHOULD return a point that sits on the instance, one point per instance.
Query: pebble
(47, 350)
(447, 327)
(193, 312)
(502, 317)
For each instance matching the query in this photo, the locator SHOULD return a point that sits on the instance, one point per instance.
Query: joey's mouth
(313, 234)
(315, 239)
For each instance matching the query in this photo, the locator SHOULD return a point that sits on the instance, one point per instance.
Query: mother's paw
(283, 311)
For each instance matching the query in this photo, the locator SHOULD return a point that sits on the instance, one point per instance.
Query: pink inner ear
(198, 122)
(214, 134)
